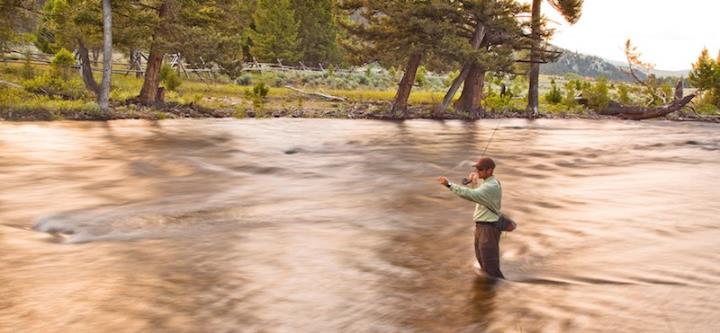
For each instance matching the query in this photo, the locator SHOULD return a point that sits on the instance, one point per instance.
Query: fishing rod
(466, 181)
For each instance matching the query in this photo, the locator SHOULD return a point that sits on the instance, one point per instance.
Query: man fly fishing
(487, 196)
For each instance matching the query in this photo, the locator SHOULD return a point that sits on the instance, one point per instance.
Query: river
(319, 225)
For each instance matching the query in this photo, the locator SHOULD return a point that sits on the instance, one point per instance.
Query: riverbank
(225, 99)
(337, 110)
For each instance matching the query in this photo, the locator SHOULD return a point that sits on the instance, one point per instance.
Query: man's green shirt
(487, 194)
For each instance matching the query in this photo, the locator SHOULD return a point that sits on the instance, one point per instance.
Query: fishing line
(491, 137)
(466, 181)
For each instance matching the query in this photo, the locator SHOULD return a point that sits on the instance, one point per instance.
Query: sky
(669, 34)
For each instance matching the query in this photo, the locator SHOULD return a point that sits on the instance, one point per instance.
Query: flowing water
(286, 225)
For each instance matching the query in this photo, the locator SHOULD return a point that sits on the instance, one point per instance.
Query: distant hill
(657, 72)
(592, 66)
(585, 66)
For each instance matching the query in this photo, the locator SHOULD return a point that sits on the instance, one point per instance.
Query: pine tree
(403, 33)
(317, 30)
(196, 29)
(705, 76)
(74, 25)
(276, 34)
(571, 11)
(497, 34)
(478, 34)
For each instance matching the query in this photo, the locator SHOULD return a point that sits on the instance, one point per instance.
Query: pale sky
(669, 34)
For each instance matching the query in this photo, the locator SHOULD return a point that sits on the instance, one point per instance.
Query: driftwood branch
(317, 94)
(639, 112)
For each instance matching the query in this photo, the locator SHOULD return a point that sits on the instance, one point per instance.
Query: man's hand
(473, 177)
(443, 180)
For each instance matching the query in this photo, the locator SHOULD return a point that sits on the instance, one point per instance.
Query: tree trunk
(477, 39)
(149, 91)
(406, 84)
(86, 69)
(534, 75)
(639, 113)
(472, 92)
(104, 98)
(678, 90)
(95, 54)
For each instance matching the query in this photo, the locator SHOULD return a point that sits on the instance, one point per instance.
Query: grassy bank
(367, 94)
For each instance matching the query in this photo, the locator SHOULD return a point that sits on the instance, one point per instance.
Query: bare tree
(104, 98)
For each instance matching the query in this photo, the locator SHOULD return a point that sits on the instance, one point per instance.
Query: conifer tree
(317, 30)
(497, 33)
(276, 33)
(705, 76)
(571, 11)
(74, 25)
(403, 33)
(196, 29)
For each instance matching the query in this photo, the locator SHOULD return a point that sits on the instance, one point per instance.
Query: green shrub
(368, 71)
(266, 77)
(55, 86)
(169, 77)
(421, 76)
(62, 63)
(597, 94)
(245, 79)
(495, 101)
(258, 94)
(667, 92)
(707, 108)
(9, 95)
(623, 94)
(261, 90)
(554, 96)
(570, 94)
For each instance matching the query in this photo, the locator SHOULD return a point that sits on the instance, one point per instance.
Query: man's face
(484, 173)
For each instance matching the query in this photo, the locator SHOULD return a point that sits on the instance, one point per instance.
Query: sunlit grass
(229, 95)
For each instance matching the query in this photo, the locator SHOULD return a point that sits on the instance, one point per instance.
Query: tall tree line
(473, 37)
(476, 36)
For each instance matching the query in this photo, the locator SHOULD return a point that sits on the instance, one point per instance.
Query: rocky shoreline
(365, 110)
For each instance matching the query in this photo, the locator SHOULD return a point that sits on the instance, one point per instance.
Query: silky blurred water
(288, 225)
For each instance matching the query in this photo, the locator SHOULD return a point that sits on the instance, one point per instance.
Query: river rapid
(319, 225)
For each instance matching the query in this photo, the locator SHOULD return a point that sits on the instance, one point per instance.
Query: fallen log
(317, 94)
(640, 112)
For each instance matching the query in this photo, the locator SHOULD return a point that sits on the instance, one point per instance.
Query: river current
(318, 225)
